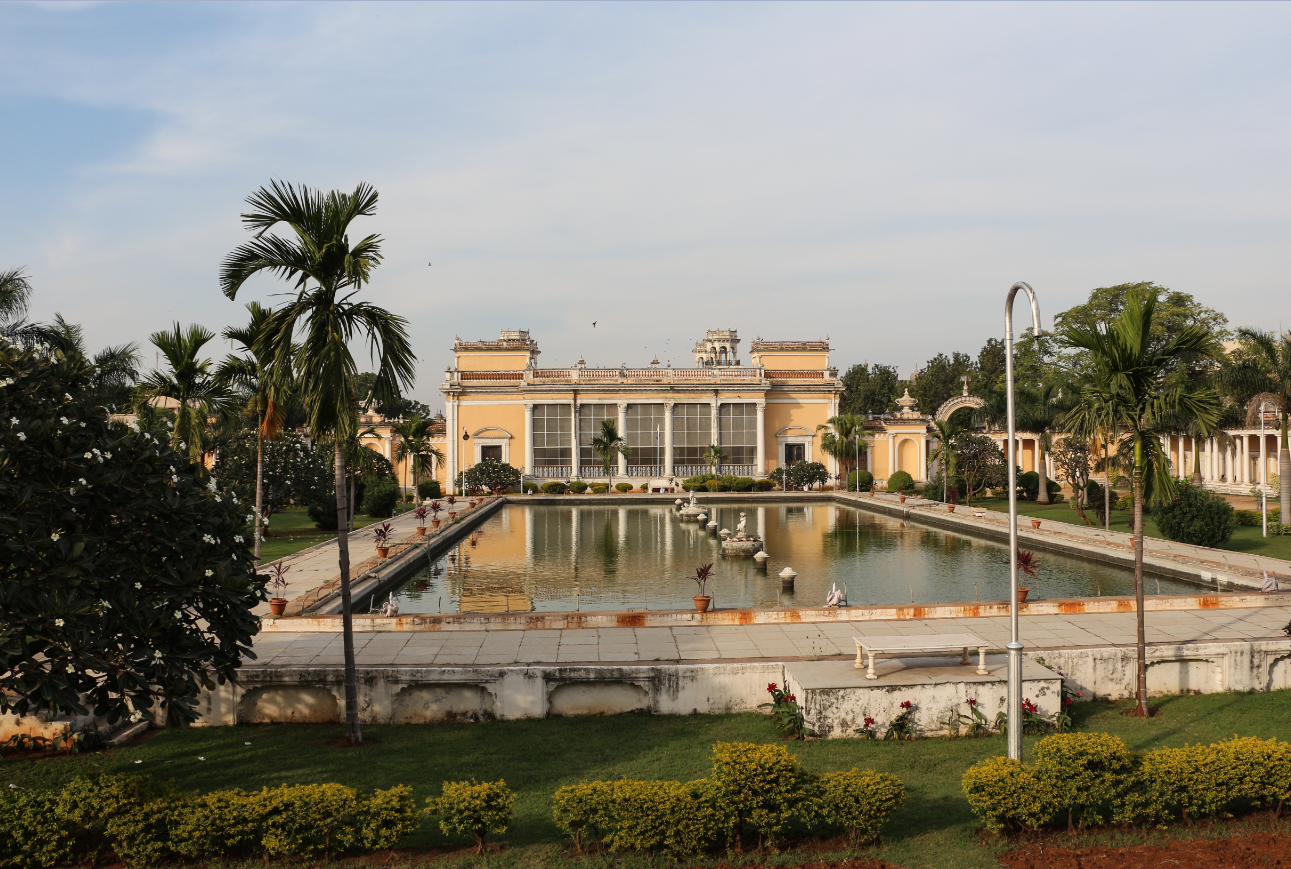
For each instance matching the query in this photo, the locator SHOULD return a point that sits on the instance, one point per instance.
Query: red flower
(791, 698)
(869, 722)
(771, 687)
(972, 702)
(907, 704)
(1028, 706)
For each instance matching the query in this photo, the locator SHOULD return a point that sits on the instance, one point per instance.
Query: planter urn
(434, 523)
(1022, 594)
(383, 551)
(903, 499)
(277, 605)
(1035, 523)
(701, 603)
(950, 509)
(421, 530)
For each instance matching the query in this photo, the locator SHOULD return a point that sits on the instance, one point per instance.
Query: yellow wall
(780, 359)
(492, 361)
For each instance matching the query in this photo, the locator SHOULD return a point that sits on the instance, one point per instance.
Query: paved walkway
(750, 642)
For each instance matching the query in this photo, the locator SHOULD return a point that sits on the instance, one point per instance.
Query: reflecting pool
(558, 559)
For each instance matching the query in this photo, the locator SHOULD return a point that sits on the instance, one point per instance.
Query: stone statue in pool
(741, 543)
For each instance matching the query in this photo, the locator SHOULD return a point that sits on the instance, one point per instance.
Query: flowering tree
(294, 472)
(126, 580)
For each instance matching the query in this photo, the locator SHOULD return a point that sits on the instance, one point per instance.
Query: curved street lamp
(1015, 645)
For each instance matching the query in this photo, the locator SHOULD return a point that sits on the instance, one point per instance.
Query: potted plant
(451, 500)
(1028, 564)
(702, 573)
(381, 534)
(420, 513)
(278, 582)
(435, 507)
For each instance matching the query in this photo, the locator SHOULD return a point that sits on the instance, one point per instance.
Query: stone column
(623, 433)
(528, 439)
(1244, 458)
(892, 455)
(923, 457)
(761, 467)
(1230, 464)
(450, 442)
(717, 430)
(667, 438)
(575, 463)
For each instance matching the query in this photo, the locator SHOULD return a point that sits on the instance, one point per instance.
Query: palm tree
(266, 385)
(1264, 373)
(327, 272)
(197, 392)
(1130, 384)
(1039, 412)
(714, 456)
(115, 368)
(415, 447)
(944, 455)
(15, 296)
(844, 439)
(609, 445)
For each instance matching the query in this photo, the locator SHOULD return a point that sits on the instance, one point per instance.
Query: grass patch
(935, 828)
(1244, 539)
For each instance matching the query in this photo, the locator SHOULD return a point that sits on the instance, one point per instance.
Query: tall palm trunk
(1042, 496)
(1107, 492)
(352, 733)
(349, 513)
(1141, 645)
(259, 485)
(1284, 472)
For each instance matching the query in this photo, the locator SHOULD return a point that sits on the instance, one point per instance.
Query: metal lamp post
(1015, 644)
(1264, 476)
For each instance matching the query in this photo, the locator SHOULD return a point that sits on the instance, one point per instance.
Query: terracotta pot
(950, 509)
(383, 551)
(1035, 523)
(434, 523)
(472, 502)
(421, 530)
(903, 499)
(277, 605)
(1022, 594)
(701, 603)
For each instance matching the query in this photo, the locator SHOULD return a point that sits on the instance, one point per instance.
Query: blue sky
(878, 173)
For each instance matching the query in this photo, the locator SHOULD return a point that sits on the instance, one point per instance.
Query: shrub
(577, 487)
(380, 497)
(530, 487)
(718, 486)
(429, 489)
(645, 487)
(324, 516)
(555, 487)
(623, 487)
(764, 485)
(386, 817)
(1086, 773)
(128, 811)
(218, 823)
(1125, 502)
(901, 482)
(33, 832)
(860, 481)
(474, 808)
(743, 484)
(1254, 519)
(861, 801)
(584, 811)
(1007, 795)
(758, 786)
(1029, 484)
(308, 820)
(1196, 516)
(599, 488)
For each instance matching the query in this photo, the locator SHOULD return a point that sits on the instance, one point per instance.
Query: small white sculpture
(693, 502)
(739, 529)
(1270, 583)
(835, 597)
(390, 608)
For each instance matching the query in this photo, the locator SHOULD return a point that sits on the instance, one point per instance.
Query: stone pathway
(749, 642)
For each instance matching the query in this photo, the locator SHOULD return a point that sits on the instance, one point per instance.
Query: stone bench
(898, 645)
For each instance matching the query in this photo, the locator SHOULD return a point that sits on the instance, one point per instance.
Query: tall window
(645, 435)
(692, 432)
(589, 426)
(552, 429)
(739, 427)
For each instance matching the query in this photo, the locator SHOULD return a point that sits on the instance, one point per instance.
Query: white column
(762, 440)
(892, 454)
(1230, 464)
(623, 433)
(575, 464)
(923, 457)
(1245, 459)
(1264, 465)
(667, 439)
(1211, 473)
(717, 430)
(528, 439)
(450, 442)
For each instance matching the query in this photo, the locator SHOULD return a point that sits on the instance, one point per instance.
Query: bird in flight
(593, 324)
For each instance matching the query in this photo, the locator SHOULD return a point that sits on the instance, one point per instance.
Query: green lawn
(1244, 539)
(934, 829)
(296, 519)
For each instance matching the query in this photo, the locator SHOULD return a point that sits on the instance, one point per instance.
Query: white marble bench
(871, 646)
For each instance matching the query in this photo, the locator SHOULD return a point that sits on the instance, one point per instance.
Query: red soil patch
(1264, 849)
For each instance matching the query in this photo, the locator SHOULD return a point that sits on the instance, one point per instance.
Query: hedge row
(1089, 779)
(726, 483)
(758, 789)
(144, 822)
(1254, 519)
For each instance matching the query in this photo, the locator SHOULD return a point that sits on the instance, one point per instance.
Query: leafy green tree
(314, 331)
(990, 367)
(1195, 516)
(127, 580)
(190, 383)
(980, 463)
(415, 447)
(801, 475)
(1262, 373)
(265, 385)
(489, 475)
(1132, 379)
(940, 380)
(398, 408)
(609, 445)
(869, 389)
(285, 470)
(844, 439)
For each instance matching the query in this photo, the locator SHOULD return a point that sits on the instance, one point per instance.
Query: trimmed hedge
(555, 487)
(752, 789)
(860, 481)
(1094, 778)
(473, 808)
(577, 487)
(599, 488)
(530, 487)
(623, 487)
(429, 489)
(764, 485)
(145, 823)
(1254, 519)
(380, 497)
(901, 482)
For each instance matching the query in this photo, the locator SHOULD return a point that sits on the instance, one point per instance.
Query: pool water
(559, 559)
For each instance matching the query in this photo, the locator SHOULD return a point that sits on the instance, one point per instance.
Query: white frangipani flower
(138, 585)
(55, 535)
(210, 573)
(22, 436)
(58, 623)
